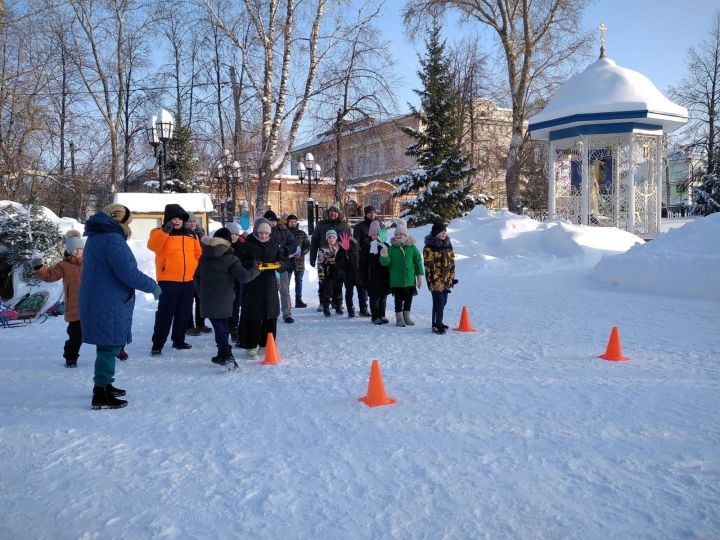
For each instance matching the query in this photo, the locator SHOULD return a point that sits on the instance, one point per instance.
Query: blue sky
(649, 36)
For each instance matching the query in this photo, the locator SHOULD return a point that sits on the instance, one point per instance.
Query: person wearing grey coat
(215, 277)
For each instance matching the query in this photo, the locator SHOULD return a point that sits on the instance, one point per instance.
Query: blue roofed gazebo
(605, 128)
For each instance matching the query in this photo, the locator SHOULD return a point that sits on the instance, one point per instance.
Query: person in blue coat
(107, 297)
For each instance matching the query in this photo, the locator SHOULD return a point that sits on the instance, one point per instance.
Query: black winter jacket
(260, 299)
(215, 277)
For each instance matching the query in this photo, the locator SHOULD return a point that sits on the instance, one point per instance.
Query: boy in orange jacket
(177, 251)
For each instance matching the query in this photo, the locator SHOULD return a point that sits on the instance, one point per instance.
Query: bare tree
(699, 91)
(274, 25)
(356, 85)
(539, 40)
(100, 51)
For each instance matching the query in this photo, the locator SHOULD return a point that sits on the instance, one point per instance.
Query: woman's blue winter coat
(107, 287)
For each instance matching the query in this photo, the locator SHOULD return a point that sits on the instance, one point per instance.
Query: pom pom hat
(401, 227)
(73, 241)
(437, 228)
(330, 233)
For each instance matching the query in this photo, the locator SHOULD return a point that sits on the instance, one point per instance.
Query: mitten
(455, 282)
(383, 235)
(384, 251)
(345, 241)
(156, 292)
(168, 227)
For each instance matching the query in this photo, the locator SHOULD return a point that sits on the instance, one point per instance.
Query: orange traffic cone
(614, 350)
(465, 325)
(271, 353)
(376, 395)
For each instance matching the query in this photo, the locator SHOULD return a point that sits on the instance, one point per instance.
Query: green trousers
(105, 364)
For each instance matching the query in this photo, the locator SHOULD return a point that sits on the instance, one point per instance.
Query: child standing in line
(69, 270)
(378, 276)
(329, 273)
(217, 272)
(406, 271)
(439, 260)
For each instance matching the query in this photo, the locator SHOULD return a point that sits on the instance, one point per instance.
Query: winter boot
(351, 312)
(117, 392)
(399, 320)
(339, 309)
(122, 355)
(71, 362)
(364, 312)
(299, 303)
(438, 330)
(326, 310)
(408, 320)
(103, 399)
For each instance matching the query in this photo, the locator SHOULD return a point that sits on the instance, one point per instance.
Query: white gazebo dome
(606, 158)
(602, 95)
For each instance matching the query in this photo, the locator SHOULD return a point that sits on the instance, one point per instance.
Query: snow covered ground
(515, 431)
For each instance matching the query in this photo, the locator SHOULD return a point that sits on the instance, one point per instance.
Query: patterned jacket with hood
(439, 261)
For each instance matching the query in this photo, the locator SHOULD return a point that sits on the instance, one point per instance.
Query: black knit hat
(369, 208)
(223, 233)
(437, 228)
(270, 215)
(291, 216)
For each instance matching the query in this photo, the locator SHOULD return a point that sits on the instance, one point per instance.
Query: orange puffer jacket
(176, 254)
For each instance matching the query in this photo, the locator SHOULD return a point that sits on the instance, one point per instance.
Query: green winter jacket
(404, 261)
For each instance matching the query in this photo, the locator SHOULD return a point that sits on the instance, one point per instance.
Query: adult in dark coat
(260, 303)
(334, 221)
(361, 233)
(378, 283)
(297, 264)
(215, 277)
(107, 296)
(288, 248)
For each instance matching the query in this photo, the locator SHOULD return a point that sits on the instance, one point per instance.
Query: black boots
(182, 346)
(103, 398)
(326, 310)
(224, 356)
(117, 392)
(299, 303)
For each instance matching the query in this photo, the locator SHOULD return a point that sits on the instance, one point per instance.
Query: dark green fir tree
(442, 180)
(181, 163)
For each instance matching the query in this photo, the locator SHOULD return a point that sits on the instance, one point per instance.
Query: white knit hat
(401, 227)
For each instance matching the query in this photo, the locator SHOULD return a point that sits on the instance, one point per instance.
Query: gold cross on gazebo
(603, 29)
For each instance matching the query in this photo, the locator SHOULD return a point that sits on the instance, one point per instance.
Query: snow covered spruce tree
(442, 180)
(27, 232)
(707, 195)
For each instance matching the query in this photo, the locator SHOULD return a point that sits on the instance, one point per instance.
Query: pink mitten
(345, 241)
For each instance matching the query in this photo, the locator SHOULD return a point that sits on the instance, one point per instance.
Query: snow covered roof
(155, 202)
(615, 98)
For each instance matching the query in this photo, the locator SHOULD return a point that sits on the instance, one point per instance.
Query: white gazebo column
(551, 180)
(660, 168)
(631, 185)
(585, 185)
(616, 183)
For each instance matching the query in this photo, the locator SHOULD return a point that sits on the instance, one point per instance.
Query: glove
(384, 251)
(36, 262)
(345, 241)
(383, 235)
(419, 282)
(168, 227)
(455, 282)
(156, 292)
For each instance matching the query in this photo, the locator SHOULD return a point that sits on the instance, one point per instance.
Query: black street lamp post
(310, 171)
(229, 168)
(159, 132)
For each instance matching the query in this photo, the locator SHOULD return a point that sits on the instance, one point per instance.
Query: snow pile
(682, 262)
(500, 241)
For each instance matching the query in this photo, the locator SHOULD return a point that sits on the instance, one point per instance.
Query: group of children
(395, 267)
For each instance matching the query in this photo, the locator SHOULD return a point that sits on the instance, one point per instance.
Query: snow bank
(682, 262)
(505, 242)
